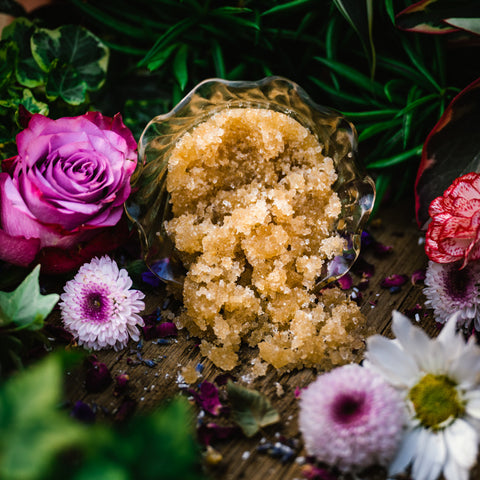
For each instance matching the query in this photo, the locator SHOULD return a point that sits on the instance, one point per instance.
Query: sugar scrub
(254, 218)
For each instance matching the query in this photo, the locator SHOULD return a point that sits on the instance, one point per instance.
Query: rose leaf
(250, 409)
(451, 149)
(25, 306)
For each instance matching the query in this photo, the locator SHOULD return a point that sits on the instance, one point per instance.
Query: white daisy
(99, 308)
(450, 289)
(351, 418)
(439, 380)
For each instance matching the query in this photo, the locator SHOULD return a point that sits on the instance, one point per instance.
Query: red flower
(454, 233)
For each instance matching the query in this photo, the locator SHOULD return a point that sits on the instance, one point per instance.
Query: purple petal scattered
(126, 409)
(209, 433)
(151, 279)
(366, 239)
(223, 378)
(312, 472)
(98, 377)
(345, 282)
(121, 383)
(207, 398)
(363, 284)
(160, 330)
(394, 281)
(418, 276)
(58, 333)
(83, 412)
(363, 268)
(380, 249)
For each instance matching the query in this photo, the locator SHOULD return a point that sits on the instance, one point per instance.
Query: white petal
(473, 403)
(426, 352)
(433, 358)
(386, 357)
(430, 457)
(465, 368)
(406, 333)
(453, 342)
(448, 333)
(453, 471)
(461, 439)
(405, 453)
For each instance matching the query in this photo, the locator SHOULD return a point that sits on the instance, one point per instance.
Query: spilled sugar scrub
(254, 217)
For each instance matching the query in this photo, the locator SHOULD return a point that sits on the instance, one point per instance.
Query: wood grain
(150, 387)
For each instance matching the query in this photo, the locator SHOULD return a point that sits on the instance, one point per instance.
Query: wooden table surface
(394, 226)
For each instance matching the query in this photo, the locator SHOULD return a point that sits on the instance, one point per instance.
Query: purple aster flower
(99, 308)
(450, 289)
(351, 418)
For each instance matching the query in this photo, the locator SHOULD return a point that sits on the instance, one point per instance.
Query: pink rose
(66, 186)
(454, 232)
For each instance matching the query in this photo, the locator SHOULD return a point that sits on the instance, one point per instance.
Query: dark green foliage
(39, 441)
(48, 71)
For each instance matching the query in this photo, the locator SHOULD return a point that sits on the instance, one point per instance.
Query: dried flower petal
(98, 377)
(207, 398)
(418, 276)
(345, 282)
(125, 410)
(394, 281)
(83, 412)
(209, 433)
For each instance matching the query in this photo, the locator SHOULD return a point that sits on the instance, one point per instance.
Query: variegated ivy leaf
(26, 307)
(19, 33)
(75, 60)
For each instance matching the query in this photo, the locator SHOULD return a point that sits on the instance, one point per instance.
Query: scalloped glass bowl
(148, 206)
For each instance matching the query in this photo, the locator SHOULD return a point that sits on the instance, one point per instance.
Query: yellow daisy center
(435, 400)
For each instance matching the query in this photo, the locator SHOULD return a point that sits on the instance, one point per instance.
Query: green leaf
(250, 409)
(180, 67)
(102, 470)
(10, 7)
(390, 10)
(359, 14)
(33, 430)
(396, 159)
(164, 42)
(7, 63)
(428, 16)
(353, 75)
(25, 307)
(125, 28)
(373, 115)
(75, 60)
(287, 6)
(28, 73)
(218, 59)
(161, 57)
(158, 446)
(451, 149)
(341, 94)
(417, 61)
(31, 103)
(469, 24)
(377, 128)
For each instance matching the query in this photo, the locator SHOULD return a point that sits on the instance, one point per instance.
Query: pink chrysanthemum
(351, 418)
(99, 308)
(450, 289)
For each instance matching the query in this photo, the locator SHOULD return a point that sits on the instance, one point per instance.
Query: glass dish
(148, 206)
